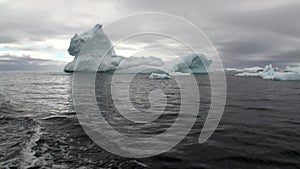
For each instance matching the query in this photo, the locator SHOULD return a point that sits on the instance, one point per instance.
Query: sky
(35, 34)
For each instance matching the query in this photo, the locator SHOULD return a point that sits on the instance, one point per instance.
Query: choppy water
(260, 127)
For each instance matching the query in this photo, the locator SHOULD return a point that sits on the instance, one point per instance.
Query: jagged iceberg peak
(191, 63)
(78, 41)
(95, 44)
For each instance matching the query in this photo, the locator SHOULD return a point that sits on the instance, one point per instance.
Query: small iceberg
(287, 76)
(235, 70)
(179, 74)
(270, 73)
(247, 74)
(167, 76)
(255, 69)
(292, 69)
(159, 76)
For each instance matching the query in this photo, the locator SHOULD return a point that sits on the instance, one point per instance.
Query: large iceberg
(93, 51)
(101, 50)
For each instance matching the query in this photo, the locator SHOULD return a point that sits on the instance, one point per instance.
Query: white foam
(28, 158)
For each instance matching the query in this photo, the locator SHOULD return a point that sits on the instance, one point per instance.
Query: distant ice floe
(235, 70)
(179, 74)
(270, 73)
(167, 76)
(93, 46)
(159, 76)
(292, 69)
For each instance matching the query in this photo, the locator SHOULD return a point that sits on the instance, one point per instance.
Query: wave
(3, 100)
(255, 160)
(28, 158)
(21, 134)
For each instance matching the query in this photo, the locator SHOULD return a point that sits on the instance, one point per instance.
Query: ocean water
(260, 127)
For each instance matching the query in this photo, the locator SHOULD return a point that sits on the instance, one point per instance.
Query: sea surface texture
(260, 127)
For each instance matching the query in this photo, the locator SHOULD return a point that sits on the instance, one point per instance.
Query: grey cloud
(28, 48)
(26, 63)
(245, 32)
(40, 20)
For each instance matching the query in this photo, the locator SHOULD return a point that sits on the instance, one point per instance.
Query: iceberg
(247, 74)
(167, 75)
(140, 65)
(179, 74)
(182, 65)
(190, 63)
(292, 69)
(255, 69)
(270, 73)
(233, 70)
(93, 46)
(159, 76)
(93, 54)
(287, 76)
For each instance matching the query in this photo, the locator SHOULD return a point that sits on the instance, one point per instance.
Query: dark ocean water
(260, 127)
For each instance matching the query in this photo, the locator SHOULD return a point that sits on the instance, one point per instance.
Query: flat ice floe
(159, 76)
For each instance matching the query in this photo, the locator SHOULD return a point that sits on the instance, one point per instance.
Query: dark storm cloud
(281, 19)
(248, 48)
(26, 63)
(244, 32)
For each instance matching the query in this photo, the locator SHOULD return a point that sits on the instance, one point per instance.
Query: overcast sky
(35, 34)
